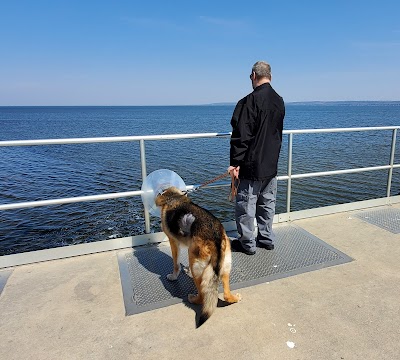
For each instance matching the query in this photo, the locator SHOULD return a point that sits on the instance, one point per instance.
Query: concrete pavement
(73, 309)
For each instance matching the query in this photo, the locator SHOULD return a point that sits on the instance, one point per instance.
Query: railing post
(144, 175)
(289, 171)
(390, 173)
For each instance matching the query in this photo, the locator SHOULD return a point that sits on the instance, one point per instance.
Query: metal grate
(4, 275)
(144, 270)
(387, 218)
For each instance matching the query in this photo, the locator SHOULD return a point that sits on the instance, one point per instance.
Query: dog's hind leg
(175, 259)
(196, 299)
(228, 296)
(225, 271)
(196, 267)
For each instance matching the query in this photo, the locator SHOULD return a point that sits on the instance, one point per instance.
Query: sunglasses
(251, 76)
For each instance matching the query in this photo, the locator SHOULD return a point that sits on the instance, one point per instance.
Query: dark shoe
(236, 246)
(266, 246)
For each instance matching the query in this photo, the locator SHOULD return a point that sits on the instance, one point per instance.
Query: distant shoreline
(333, 102)
(344, 102)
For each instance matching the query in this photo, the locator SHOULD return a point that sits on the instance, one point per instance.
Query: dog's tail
(209, 289)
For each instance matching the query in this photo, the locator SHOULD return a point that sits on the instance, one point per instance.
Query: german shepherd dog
(208, 245)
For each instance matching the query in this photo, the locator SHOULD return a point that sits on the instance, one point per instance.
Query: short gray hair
(262, 69)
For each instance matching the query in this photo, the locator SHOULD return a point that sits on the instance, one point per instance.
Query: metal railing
(141, 139)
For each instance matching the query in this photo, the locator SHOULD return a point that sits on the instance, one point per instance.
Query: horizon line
(213, 104)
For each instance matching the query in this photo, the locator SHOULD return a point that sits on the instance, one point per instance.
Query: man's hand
(234, 171)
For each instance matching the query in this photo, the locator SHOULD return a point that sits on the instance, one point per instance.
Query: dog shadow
(158, 262)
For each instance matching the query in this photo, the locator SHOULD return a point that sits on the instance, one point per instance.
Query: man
(257, 124)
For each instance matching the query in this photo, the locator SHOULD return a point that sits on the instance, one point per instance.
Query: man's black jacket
(257, 124)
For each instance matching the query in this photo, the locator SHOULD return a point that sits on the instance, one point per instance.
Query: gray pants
(255, 200)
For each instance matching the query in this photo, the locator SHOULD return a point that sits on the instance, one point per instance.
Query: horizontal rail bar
(109, 139)
(7, 261)
(70, 200)
(173, 136)
(335, 130)
(339, 172)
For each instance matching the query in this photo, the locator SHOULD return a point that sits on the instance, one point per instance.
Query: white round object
(155, 183)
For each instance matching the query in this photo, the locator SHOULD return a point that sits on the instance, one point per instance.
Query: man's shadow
(157, 259)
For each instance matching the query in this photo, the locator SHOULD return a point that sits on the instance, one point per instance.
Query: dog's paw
(187, 271)
(233, 298)
(172, 277)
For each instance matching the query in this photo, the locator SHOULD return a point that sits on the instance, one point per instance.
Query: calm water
(46, 172)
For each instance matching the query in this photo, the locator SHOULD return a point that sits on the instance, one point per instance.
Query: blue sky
(195, 52)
